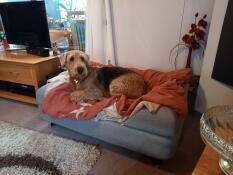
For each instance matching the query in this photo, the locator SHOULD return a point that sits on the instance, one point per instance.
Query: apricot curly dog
(95, 84)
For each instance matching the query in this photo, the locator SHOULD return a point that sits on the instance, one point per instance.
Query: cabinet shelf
(18, 97)
(26, 70)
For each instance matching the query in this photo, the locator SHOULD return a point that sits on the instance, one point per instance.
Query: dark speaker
(39, 51)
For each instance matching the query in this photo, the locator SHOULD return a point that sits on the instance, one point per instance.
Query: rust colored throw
(162, 89)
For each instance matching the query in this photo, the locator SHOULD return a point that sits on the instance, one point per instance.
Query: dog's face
(77, 63)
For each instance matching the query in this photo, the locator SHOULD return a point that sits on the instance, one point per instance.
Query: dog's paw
(73, 97)
(85, 96)
(76, 97)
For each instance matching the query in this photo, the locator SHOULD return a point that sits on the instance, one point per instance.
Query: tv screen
(25, 23)
(223, 66)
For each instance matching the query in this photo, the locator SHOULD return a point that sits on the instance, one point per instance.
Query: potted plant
(3, 40)
(194, 40)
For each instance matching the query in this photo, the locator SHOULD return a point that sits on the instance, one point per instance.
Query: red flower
(186, 39)
(192, 39)
(200, 34)
(193, 28)
(195, 45)
(202, 23)
(196, 33)
(189, 39)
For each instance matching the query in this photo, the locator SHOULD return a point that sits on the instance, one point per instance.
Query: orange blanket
(163, 90)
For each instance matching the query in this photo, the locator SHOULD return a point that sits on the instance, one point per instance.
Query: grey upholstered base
(155, 135)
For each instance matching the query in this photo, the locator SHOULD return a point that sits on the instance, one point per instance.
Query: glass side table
(216, 127)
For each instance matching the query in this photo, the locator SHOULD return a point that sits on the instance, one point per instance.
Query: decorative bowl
(216, 127)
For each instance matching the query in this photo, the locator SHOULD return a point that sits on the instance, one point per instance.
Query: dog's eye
(82, 58)
(71, 58)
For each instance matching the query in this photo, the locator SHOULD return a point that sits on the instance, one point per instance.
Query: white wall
(147, 30)
(210, 91)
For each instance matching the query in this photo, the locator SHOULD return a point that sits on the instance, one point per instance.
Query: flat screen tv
(25, 23)
(223, 66)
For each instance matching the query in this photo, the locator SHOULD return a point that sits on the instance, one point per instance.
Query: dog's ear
(84, 57)
(63, 59)
(87, 58)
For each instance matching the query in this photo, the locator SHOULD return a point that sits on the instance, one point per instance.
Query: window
(68, 14)
(57, 9)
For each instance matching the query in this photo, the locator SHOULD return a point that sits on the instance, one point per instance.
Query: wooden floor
(115, 160)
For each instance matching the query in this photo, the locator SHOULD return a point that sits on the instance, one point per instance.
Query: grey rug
(27, 152)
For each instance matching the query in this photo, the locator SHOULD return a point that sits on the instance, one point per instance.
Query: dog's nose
(80, 70)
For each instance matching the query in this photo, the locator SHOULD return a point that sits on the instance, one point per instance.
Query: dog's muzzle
(80, 70)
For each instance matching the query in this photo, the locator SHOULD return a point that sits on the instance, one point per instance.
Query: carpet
(28, 152)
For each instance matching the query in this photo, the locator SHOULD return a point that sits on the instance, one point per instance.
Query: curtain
(99, 31)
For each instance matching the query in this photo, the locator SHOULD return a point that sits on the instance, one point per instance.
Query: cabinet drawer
(16, 73)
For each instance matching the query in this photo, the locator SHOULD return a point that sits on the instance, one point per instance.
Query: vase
(192, 92)
(188, 63)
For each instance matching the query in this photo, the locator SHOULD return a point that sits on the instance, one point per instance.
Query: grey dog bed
(153, 134)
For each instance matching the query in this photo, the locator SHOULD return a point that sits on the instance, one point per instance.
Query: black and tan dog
(94, 84)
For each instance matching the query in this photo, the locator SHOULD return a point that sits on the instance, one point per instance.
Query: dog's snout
(80, 70)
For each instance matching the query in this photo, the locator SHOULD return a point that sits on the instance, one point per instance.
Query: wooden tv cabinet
(208, 163)
(20, 67)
